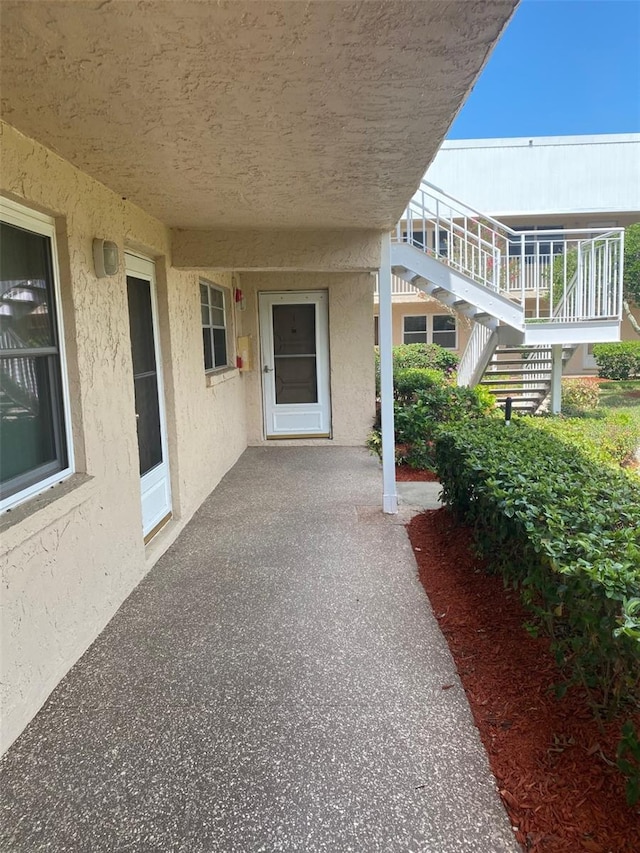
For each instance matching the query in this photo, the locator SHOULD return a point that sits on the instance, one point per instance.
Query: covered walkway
(274, 684)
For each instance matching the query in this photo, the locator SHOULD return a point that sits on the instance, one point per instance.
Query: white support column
(556, 379)
(385, 341)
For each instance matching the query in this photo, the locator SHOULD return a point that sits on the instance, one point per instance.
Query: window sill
(219, 376)
(39, 512)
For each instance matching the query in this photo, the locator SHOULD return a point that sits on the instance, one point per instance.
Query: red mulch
(548, 756)
(404, 474)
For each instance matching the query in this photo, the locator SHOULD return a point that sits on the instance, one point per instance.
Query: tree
(631, 278)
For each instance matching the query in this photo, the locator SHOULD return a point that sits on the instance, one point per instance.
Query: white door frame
(295, 420)
(155, 485)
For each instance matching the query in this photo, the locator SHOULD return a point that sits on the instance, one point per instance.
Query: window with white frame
(430, 329)
(34, 424)
(415, 329)
(214, 326)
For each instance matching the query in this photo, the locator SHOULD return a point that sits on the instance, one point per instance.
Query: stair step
(515, 399)
(502, 362)
(486, 382)
(518, 371)
(523, 351)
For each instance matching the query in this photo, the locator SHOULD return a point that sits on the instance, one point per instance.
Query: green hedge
(566, 532)
(618, 361)
(424, 355)
(418, 415)
(419, 357)
(409, 381)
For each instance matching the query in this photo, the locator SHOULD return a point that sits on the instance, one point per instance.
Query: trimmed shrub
(425, 356)
(411, 380)
(417, 420)
(619, 360)
(579, 396)
(420, 357)
(566, 532)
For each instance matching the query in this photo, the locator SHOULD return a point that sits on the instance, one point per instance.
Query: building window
(444, 331)
(438, 329)
(542, 247)
(376, 330)
(214, 326)
(418, 236)
(415, 330)
(34, 428)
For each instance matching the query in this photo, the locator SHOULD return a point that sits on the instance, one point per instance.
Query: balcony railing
(577, 271)
(399, 287)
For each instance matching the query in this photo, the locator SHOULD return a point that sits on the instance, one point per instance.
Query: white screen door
(294, 334)
(155, 490)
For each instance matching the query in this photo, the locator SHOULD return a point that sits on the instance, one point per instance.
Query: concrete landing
(419, 496)
(274, 684)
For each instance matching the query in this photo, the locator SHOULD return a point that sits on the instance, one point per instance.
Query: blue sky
(561, 67)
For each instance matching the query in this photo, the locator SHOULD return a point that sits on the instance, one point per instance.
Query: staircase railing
(399, 287)
(473, 353)
(596, 288)
(533, 268)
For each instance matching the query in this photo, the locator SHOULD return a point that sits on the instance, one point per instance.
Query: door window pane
(294, 346)
(294, 329)
(148, 421)
(145, 377)
(296, 379)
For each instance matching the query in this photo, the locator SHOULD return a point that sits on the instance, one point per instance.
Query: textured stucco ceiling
(246, 114)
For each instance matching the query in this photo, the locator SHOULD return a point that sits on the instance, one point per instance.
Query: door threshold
(157, 528)
(299, 435)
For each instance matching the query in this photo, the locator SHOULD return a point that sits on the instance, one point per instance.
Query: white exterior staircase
(525, 291)
(522, 374)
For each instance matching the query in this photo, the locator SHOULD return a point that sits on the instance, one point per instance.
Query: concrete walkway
(274, 684)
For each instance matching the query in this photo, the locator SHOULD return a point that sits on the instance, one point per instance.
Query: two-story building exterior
(551, 184)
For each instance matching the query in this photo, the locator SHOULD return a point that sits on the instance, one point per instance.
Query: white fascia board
(585, 332)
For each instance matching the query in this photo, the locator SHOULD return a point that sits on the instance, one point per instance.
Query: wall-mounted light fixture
(106, 258)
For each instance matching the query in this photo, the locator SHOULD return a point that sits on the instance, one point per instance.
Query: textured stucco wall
(68, 566)
(281, 250)
(351, 350)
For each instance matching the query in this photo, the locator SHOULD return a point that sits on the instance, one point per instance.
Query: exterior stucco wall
(350, 344)
(68, 561)
(282, 250)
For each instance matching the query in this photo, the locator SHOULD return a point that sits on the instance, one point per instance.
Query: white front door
(155, 490)
(294, 334)
(588, 361)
